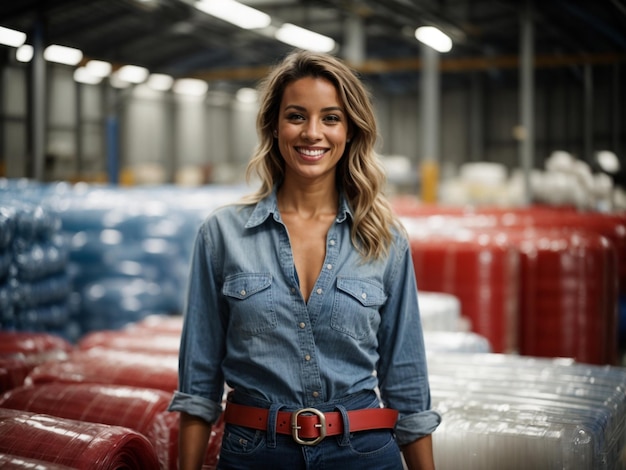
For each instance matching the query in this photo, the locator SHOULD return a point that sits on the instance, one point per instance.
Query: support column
(354, 40)
(588, 114)
(112, 136)
(38, 104)
(527, 97)
(430, 118)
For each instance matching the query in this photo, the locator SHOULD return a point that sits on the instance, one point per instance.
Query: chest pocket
(357, 302)
(249, 296)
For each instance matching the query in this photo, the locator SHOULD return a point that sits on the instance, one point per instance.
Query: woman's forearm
(418, 455)
(193, 438)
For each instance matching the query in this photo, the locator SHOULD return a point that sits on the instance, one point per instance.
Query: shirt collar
(269, 206)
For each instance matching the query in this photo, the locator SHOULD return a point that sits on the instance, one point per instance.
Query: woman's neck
(308, 200)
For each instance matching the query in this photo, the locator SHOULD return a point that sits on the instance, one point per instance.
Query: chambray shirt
(247, 324)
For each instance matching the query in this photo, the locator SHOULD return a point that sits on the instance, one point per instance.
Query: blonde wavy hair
(359, 173)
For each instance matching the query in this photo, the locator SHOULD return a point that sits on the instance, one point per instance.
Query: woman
(303, 298)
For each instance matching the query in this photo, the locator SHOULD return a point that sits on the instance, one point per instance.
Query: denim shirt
(248, 325)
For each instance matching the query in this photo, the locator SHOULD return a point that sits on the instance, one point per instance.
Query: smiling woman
(328, 297)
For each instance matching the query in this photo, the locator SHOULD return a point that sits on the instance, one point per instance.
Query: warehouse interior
(505, 159)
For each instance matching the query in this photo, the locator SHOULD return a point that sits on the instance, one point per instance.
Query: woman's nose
(311, 131)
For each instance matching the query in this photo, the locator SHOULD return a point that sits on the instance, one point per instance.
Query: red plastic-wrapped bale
(13, 372)
(16, 462)
(164, 434)
(107, 366)
(118, 405)
(159, 323)
(137, 340)
(480, 268)
(77, 444)
(568, 295)
(33, 348)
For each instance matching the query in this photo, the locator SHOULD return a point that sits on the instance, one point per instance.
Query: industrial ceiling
(173, 37)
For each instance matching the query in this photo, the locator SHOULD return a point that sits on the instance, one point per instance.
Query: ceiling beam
(456, 65)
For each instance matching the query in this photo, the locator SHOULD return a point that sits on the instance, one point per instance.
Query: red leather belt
(308, 426)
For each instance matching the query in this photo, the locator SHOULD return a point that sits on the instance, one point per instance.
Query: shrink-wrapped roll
(119, 405)
(16, 462)
(77, 444)
(138, 340)
(105, 366)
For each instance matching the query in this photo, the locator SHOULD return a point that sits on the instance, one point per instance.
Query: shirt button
(319, 291)
(329, 266)
(302, 325)
(293, 289)
(316, 394)
(307, 358)
(332, 243)
(242, 292)
(364, 295)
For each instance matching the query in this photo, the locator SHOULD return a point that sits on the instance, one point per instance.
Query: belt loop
(345, 436)
(272, 413)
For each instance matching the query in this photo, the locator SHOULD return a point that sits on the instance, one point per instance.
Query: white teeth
(311, 153)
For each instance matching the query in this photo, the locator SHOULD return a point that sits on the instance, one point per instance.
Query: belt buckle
(295, 428)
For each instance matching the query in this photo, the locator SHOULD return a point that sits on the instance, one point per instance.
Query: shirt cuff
(411, 427)
(194, 405)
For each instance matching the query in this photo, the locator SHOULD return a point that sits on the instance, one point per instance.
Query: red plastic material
(159, 323)
(139, 340)
(164, 434)
(569, 276)
(33, 348)
(15, 462)
(107, 366)
(13, 372)
(77, 444)
(568, 295)
(482, 270)
(119, 405)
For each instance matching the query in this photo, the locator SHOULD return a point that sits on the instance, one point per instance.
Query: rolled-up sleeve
(402, 368)
(200, 378)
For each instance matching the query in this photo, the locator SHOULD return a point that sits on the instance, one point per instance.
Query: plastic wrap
(568, 292)
(440, 312)
(105, 366)
(118, 405)
(13, 372)
(455, 341)
(77, 444)
(14, 462)
(135, 339)
(35, 289)
(481, 269)
(165, 432)
(33, 348)
(514, 412)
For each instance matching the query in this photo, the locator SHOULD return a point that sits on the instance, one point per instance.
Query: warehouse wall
(478, 116)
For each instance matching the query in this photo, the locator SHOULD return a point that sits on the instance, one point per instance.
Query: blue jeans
(248, 449)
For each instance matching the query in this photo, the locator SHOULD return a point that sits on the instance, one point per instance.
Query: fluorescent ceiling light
(304, 39)
(247, 95)
(236, 13)
(160, 81)
(62, 55)
(11, 37)
(434, 38)
(190, 86)
(24, 53)
(84, 75)
(98, 68)
(132, 74)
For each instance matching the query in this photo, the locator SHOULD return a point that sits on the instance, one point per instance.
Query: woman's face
(312, 129)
